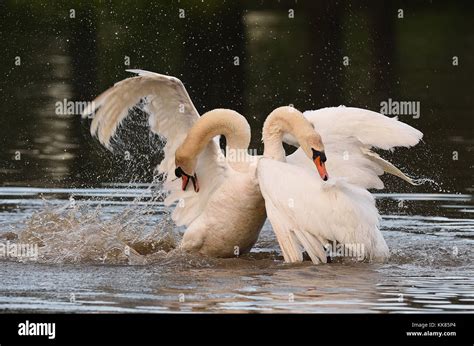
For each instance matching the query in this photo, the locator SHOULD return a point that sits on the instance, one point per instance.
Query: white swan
(225, 211)
(308, 213)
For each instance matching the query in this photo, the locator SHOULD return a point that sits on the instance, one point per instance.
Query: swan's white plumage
(228, 212)
(307, 213)
(212, 171)
(171, 115)
(348, 135)
(369, 127)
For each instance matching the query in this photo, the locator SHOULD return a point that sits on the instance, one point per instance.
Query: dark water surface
(83, 205)
(282, 61)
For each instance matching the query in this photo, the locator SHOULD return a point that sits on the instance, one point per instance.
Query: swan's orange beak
(185, 179)
(321, 168)
(319, 158)
(184, 182)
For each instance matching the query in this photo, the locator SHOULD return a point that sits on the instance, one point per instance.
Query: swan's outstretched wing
(306, 213)
(348, 135)
(171, 115)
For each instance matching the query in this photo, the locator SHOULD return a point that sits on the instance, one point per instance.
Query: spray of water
(81, 232)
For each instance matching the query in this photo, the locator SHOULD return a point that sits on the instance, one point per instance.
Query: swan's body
(307, 213)
(225, 217)
(231, 222)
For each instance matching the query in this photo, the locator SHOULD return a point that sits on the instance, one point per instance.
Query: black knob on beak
(320, 154)
(323, 156)
(178, 172)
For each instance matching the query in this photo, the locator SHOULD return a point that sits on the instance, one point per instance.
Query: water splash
(77, 232)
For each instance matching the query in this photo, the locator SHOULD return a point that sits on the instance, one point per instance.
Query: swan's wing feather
(358, 169)
(349, 133)
(171, 115)
(370, 128)
(282, 226)
(307, 213)
(171, 109)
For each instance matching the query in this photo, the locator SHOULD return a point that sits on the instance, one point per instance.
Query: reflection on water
(83, 242)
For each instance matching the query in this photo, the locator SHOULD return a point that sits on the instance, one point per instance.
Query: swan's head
(288, 124)
(313, 147)
(185, 169)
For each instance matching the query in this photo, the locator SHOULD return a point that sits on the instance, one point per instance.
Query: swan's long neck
(217, 122)
(283, 120)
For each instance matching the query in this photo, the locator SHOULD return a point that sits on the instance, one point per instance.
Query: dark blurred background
(282, 61)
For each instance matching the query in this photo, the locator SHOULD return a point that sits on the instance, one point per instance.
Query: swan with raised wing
(311, 214)
(218, 197)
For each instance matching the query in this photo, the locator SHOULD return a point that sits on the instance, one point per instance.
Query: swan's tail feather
(388, 167)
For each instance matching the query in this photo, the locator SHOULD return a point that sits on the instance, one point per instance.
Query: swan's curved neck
(283, 120)
(233, 126)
